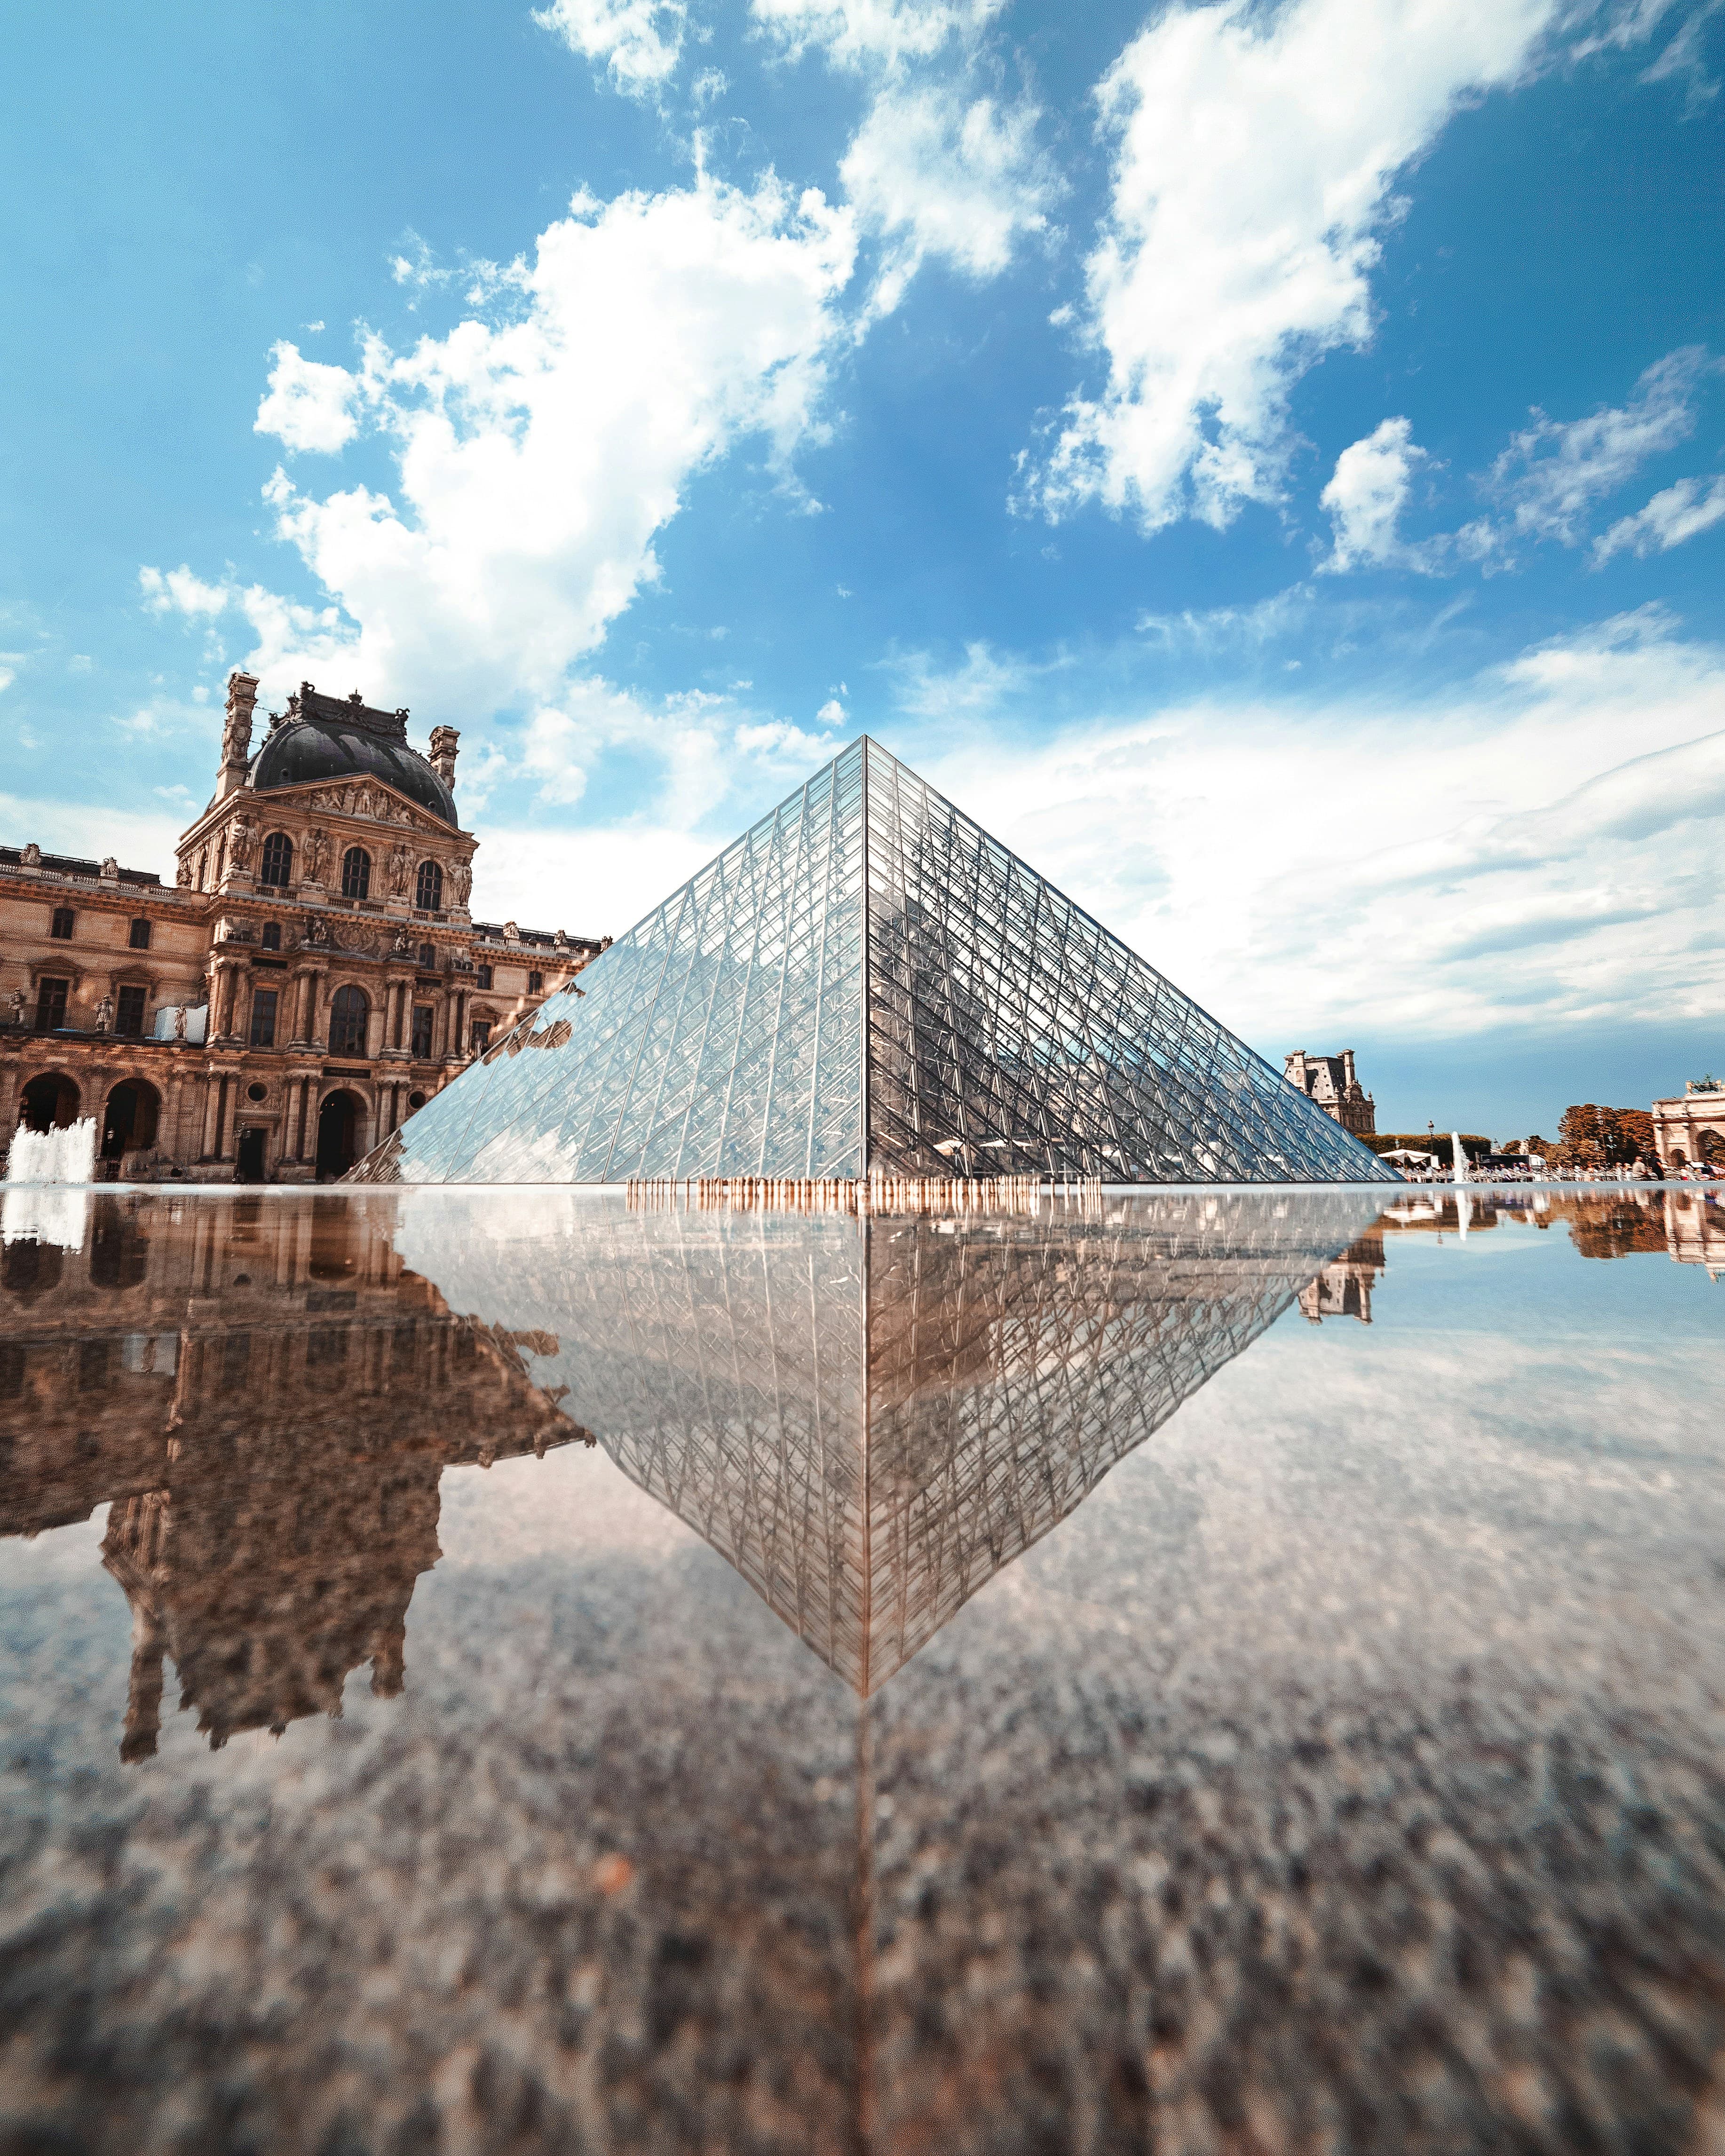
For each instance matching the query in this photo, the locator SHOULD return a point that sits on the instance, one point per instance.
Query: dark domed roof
(331, 737)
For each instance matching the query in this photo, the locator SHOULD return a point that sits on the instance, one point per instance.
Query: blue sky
(1264, 462)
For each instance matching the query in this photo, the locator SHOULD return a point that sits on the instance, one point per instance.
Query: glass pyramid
(866, 982)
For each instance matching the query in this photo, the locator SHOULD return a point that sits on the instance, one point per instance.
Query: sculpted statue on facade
(400, 866)
(240, 837)
(180, 1023)
(33, 856)
(461, 882)
(18, 1006)
(104, 1014)
(317, 856)
(183, 876)
(111, 869)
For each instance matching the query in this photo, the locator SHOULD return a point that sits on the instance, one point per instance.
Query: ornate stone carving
(317, 856)
(461, 882)
(180, 1023)
(237, 732)
(18, 1006)
(183, 876)
(104, 1014)
(111, 869)
(33, 856)
(400, 867)
(241, 837)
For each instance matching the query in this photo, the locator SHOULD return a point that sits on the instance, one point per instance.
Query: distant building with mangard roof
(1330, 1082)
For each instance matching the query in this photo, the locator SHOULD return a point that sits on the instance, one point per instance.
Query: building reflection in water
(867, 1420)
(265, 1399)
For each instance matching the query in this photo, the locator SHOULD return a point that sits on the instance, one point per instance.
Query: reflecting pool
(507, 1670)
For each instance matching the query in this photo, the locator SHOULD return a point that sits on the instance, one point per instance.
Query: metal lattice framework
(866, 982)
(870, 1419)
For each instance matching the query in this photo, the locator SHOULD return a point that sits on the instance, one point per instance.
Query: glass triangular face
(1011, 1034)
(867, 981)
(721, 1036)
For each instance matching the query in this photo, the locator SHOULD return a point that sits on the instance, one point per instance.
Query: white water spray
(1460, 1169)
(40, 1204)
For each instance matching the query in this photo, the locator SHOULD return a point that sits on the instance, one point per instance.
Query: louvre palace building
(312, 977)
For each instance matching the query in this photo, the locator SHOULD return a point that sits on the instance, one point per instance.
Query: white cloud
(1548, 839)
(1675, 514)
(1365, 498)
(638, 41)
(177, 591)
(309, 406)
(872, 34)
(938, 173)
(773, 743)
(1255, 156)
(1554, 473)
(541, 448)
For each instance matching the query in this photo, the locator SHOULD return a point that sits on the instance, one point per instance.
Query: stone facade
(1330, 1083)
(1690, 1129)
(311, 977)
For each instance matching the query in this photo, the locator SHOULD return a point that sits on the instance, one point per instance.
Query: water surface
(495, 1670)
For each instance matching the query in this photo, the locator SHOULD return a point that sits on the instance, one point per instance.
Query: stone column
(212, 1103)
(458, 1045)
(376, 1025)
(317, 1024)
(226, 983)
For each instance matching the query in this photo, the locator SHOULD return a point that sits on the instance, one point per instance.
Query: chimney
(443, 754)
(1348, 1079)
(237, 734)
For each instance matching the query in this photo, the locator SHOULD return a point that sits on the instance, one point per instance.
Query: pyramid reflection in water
(869, 1419)
(866, 982)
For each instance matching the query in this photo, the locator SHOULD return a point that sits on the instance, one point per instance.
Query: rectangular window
(422, 1031)
(483, 976)
(60, 928)
(264, 1018)
(140, 939)
(129, 1019)
(536, 981)
(50, 1004)
(481, 1033)
(271, 938)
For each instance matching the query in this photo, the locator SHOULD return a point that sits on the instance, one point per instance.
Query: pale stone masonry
(1330, 1083)
(1691, 1128)
(312, 977)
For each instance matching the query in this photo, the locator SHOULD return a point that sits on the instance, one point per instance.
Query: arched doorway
(337, 1132)
(129, 1124)
(50, 1102)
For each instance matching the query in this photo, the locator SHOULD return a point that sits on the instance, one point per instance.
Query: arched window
(356, 873)
(278, 867)
(348, 1015)
(429, 895)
